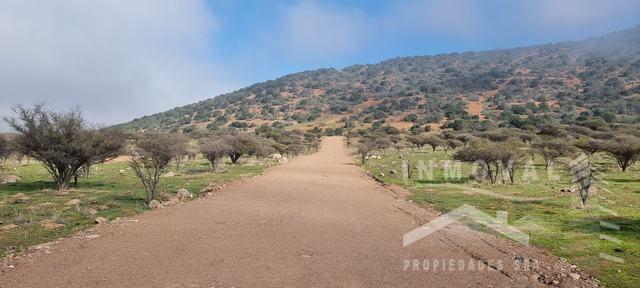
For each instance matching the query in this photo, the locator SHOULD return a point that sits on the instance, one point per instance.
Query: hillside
(590, 81)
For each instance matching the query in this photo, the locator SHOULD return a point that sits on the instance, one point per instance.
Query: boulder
(212, 188)
(155, 204)
(183, 194)
(169, 174)
(74, 202)
(9, 179)
(102, 220)
(8, 227)
(50, 224)
(574, 276)
(19, 198)
(171, 202)
(276, 156)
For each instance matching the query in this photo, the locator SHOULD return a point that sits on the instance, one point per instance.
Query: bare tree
(179, 148)
(150, 159)
(214, 150)
(582, 176)
(5, 149)
(101, 146)
(363, 150)
(61, 141)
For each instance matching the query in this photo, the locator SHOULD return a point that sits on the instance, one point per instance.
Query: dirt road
(317, 221)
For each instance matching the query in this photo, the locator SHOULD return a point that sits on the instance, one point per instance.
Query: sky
(117, 60)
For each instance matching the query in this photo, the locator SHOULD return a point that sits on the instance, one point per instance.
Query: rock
(212, 188)
(619, 250)
(154, 204)
(171, 202)
(276, 156)
(169, 174)
(8, 227)
(382, 174)
(19, 198)
(9, 179)
(574, 276)
(122, 171)
(393, 172)
(50, 224)
(102, 220)
(91, 211)
(183, 194)
(74, 202)
(92, 236)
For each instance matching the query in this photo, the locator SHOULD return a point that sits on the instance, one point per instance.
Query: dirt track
(317, 221)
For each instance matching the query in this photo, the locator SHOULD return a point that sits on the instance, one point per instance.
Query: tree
(179, 148)
(242, 144)
(214, 149)
(624, 149)
(453, 144)
(484, 154)
(550, 150)
(150, 159)
(582, 176)
(383, 143)
(5, 149)
(589, 146)
(433, 141)
(61, 141)
(101, 146)
(417, 141)
(494, 158)
(510, 155)
(364, 149)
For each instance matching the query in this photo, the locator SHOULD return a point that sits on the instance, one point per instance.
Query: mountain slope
(596, 79)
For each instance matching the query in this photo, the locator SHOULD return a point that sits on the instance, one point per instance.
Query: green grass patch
(553, 219)
(111, 190)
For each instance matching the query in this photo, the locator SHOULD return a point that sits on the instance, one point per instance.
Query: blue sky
(255, 38)
(118, 60)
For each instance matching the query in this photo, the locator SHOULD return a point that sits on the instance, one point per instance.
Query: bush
(150, 159)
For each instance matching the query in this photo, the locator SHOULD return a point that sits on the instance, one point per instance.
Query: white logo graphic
(498, 224)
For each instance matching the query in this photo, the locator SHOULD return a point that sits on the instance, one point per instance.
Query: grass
(554, 221)
(111, 191)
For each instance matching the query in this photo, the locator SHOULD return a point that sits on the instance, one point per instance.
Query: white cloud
(310, 29)
(568, 14)
(453, 18)
(115, 59)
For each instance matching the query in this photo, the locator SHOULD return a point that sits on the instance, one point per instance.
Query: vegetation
(150, 160)
(588, 84)
(62, 141)
(535, 201)
(112, 191)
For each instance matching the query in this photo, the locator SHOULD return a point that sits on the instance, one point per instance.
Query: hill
(591, 81)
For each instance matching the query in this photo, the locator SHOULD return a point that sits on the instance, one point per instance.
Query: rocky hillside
(591, 81)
